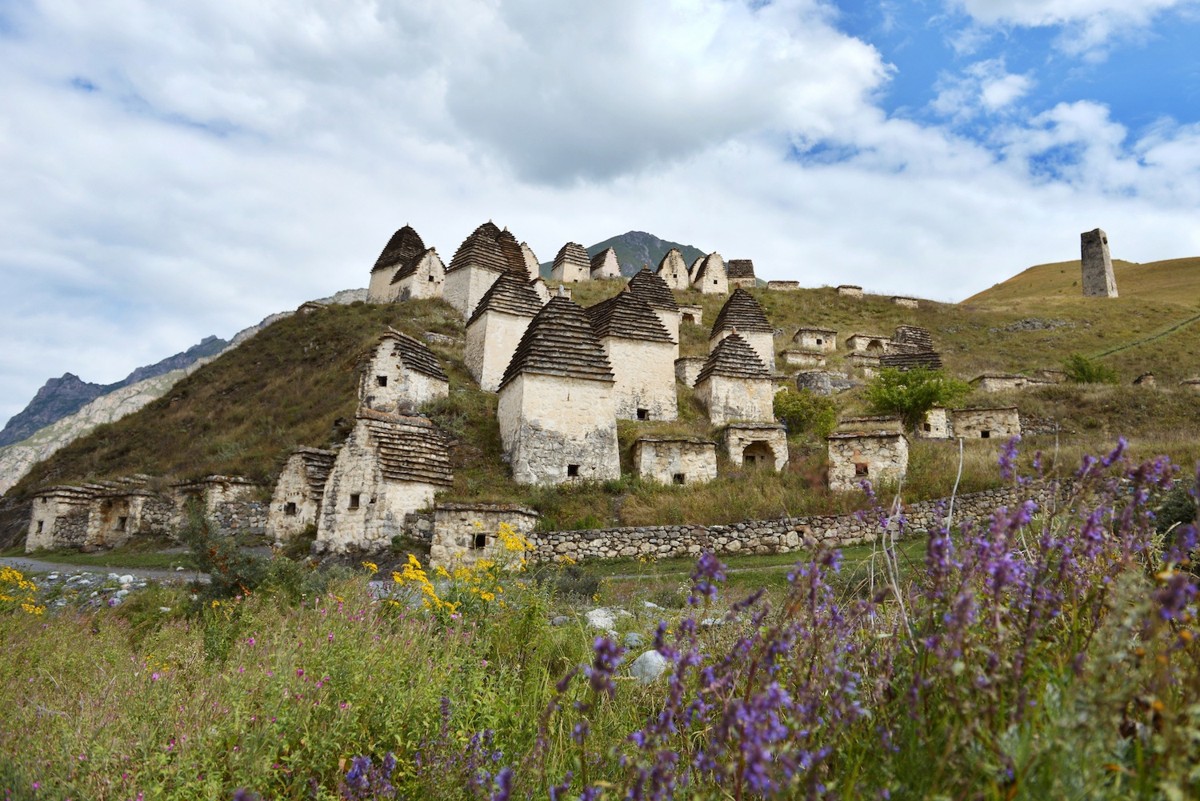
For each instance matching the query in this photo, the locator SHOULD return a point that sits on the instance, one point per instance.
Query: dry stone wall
(784, 535)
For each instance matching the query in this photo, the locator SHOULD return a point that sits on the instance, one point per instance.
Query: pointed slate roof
(627, 316)
(514, 257)
(709, 263)
(741, 312)
(482, 249)
(405, 246)
(409, 448)
(560, 341)
(511, 294)
(573, 253)
(653, 290)
(733, 358)
(414, 354)
(672, 259)
(740, 268)
(411, 265)
(598, 260)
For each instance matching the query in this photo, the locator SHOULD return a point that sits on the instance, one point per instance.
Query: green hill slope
(292, 384)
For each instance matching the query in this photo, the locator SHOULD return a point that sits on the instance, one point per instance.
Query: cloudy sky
(175, 169)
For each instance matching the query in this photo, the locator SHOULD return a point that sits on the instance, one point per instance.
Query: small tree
(1082, 370)
(805, 411)
(912, 393)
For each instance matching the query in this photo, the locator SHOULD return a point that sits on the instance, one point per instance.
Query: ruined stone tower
(1098, 280)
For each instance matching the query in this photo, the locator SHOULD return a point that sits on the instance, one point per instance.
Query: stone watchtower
(1098, 279)
(642, 354)
(557, 412)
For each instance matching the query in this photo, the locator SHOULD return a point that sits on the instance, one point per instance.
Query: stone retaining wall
(249, 517)
(769, 536)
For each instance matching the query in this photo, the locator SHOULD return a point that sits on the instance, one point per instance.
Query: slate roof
(653, 290)
(560, 341)
(414, 354)
(317, 464)
(627, 316)
(742, 312)
(511, 294)
(410, 267)
(914, 335)
(733, 358)
(907, 361)
(597, 261)
(672, 259)
(481, 249)
(409, 448)
(514, 257)
(573, 253)
(739, 268)
(405, 246)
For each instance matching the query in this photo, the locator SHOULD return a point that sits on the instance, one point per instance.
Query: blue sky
(178, 170)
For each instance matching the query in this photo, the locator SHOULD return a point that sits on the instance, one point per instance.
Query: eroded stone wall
(675, 461)
(465, 533)
(645, 378)
(466, 286)
(491, 340)
(553, 426)
(738, 439)
(728, 399)
(876, 458)
(986, 423)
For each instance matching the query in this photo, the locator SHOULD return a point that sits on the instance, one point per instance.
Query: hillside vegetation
(295, 384)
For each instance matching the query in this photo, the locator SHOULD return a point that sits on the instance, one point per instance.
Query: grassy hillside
(291, 384)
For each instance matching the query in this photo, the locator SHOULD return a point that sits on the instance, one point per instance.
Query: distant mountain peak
(636, 249)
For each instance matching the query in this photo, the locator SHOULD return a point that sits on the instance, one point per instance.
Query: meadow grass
(1045, 655)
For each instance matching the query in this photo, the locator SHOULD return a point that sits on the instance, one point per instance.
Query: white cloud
(1088, 25)
(236, 159)
(983, 87)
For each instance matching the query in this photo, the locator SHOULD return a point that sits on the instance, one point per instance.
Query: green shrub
(232, 570)
(1082, 370)
(912, 393)
(804, 411)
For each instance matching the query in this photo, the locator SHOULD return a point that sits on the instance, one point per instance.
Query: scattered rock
(560, 620)
(648, 667)
(634, 640)
(601, 619)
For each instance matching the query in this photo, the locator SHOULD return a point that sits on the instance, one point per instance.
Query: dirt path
(28, 565)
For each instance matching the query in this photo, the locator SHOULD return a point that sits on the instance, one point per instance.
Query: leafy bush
(232, 571)
(805, 411)
(1082, 370)
(912, 393)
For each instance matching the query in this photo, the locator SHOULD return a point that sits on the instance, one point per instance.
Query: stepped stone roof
(409, 448)
(482, 249)
(627, 316)
(414, 354)
(733, 358)
(914, 335)
(514, 257)
(653, 290)
(511, 294)
(742, 312)
(573, 253)
(707, 264)
(317, 464)
(405, 246)
(560, 341)
(740, 268)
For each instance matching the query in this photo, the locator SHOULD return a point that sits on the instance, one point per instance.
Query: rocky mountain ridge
(636, 249)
